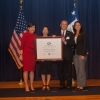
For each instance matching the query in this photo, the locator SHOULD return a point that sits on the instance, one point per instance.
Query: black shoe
(62, 87)
(69, 88)
(81, 89)
(48, 87)
(32, 91)
(44, 87)
(77, 88)
(27, 91)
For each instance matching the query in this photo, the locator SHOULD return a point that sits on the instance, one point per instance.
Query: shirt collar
(63, 31)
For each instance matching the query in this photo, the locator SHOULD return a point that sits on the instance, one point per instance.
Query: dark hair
(43, 28)
(31, 24)
(81, 30)
(64, 20)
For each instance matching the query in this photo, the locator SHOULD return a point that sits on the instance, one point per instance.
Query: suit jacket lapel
(66, 33)
(78, 37)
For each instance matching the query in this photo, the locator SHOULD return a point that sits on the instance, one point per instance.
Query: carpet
(20, 92)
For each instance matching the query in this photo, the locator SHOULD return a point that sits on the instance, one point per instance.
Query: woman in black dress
(45, 66)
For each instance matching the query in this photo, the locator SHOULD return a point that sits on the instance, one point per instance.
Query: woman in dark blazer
(80, 54)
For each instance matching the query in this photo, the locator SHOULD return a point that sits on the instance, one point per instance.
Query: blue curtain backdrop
(49, 13)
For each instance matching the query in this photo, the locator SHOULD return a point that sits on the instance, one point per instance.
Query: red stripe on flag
(15, 51)
(16, 40)
(11, 52)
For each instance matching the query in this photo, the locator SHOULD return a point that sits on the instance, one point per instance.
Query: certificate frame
(49, 48)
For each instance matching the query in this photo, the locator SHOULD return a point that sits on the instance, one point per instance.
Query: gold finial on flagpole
(74, 3)
(21, 2)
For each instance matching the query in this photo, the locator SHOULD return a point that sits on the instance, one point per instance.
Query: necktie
(63, 34)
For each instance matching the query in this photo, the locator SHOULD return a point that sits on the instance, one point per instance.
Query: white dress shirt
(64, 32)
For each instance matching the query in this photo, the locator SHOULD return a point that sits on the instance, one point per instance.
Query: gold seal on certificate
(49, 48)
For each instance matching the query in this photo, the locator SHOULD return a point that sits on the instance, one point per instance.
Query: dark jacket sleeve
(84, 44)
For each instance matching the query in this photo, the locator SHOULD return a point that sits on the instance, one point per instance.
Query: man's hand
(63, 40)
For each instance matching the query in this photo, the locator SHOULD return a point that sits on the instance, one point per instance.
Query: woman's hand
(82, 57)
(53, 36)
(53, 60)
(21, 57)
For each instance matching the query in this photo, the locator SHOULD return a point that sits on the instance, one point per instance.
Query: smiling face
(77, 26)
(31, 29)
(45, 31)
(64, 25)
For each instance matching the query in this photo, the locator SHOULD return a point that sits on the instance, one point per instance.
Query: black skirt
(46, 68)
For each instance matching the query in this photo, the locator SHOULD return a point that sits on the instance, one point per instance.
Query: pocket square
(67, 38)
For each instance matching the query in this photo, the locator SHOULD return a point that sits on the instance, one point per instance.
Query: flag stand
(21, 73)
(21, 81)
(73, 81)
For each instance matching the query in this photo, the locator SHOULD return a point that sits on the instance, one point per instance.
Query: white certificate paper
(49, 48)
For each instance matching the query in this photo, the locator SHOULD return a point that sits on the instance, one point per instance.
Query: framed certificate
(49, 48)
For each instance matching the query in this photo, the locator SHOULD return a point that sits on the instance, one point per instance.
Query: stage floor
(53, 83)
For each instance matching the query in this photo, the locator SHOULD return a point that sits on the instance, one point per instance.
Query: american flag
(16, 38)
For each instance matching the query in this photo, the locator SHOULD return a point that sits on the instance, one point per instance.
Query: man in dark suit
(68, 43)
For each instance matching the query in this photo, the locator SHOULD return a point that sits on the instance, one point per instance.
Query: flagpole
(21, 2)
(73, 81)
(21, 72)
(74, 3)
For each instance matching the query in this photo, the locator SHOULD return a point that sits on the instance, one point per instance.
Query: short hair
(64, 20)
(31, 24)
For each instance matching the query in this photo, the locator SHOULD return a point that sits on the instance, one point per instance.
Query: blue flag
(72, 19)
